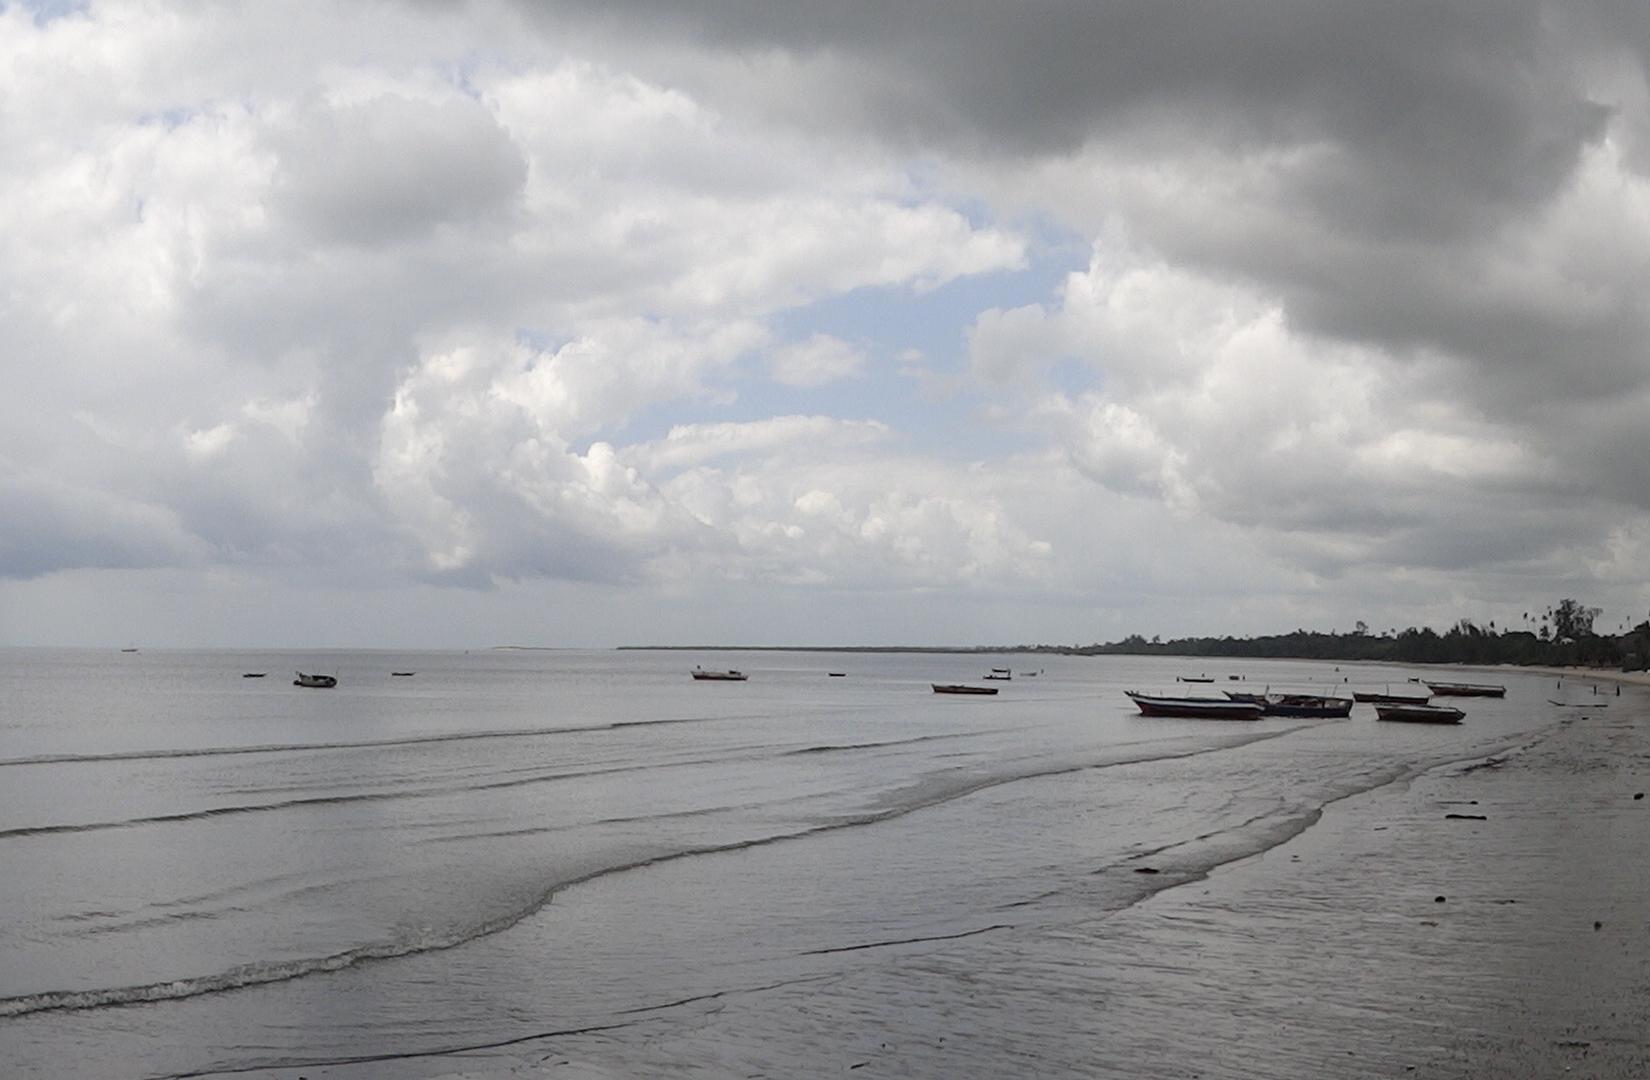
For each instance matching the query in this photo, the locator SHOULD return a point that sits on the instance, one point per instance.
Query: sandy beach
(1484, 919)
(1503, 928)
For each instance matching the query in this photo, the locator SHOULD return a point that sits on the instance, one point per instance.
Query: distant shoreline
(1641, 678)
(964, 649)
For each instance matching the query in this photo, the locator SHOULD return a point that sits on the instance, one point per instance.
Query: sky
(444, 324)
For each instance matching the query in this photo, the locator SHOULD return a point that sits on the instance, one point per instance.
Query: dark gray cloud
(392, 169)
(1437, 99)
(1411, 139)
(53, 526)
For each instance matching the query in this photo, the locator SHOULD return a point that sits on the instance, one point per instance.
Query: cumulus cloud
(502, 293)
(391, 168)
(819, 360)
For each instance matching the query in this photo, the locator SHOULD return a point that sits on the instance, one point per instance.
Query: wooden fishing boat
(1312, 706)
(1461, 689)
(1385, 697)
(1297, 705)
(1201, 708)
(318, 682)
(959, 688)
(1419, 714)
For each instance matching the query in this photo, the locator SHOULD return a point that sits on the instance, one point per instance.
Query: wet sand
(1485, 919)
(1490, 919)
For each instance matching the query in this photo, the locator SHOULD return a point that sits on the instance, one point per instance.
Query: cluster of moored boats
(1413, 707)
(996, 674)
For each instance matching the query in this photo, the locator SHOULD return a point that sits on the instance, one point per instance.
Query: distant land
(1561, 636)
(854, 648)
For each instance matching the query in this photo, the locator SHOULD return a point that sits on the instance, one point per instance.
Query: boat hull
(719, 676)
(1328, 711)
(1445, 689)
(315, 682)
(1419, 714)
(1369, 698)
(1195, 708)
(1298, 706)
(957, 688)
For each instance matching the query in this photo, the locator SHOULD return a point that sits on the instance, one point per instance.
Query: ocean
(586, 863)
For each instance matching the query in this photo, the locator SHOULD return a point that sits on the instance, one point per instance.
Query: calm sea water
(519, 858)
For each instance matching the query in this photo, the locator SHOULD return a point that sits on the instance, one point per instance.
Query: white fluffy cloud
(495, 295)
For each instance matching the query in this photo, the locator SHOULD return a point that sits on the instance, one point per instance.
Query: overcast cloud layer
(450, 324)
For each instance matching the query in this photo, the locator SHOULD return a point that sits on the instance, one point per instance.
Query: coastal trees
(1564, 636)
(1572, 620)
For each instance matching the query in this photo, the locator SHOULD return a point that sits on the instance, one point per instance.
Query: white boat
(319, 682)
(729, 675)
(1195, 707)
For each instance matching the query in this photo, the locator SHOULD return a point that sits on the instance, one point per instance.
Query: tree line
(1562, 636)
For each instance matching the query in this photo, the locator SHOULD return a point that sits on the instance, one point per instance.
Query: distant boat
(319, 682)
(1195, 707)
(403, 674)
(1194, 678)
(1371, 697)
(1419, 714)
(959, 688)
(999, 673)
(836, 674)
(252, 674)
(719, 676)
(1579, 704)
(1462, 689)
(129, 649)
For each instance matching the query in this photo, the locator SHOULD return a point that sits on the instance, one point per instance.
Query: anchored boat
(1419, 714)
(1195, 707)
(1462, 689)
(729, 675)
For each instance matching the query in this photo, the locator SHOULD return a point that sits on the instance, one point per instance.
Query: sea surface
(521, 859)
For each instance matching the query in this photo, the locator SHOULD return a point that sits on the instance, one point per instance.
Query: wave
(433, 791)
(336, 800)
(363, 744)
(945, 789)
(831, 748)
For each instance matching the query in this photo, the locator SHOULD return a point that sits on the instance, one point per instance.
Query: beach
(451, 876)
(1488, 920)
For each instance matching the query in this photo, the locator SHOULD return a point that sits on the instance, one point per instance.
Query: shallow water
(209, 874)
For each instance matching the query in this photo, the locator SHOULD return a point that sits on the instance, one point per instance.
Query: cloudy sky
(442, 323)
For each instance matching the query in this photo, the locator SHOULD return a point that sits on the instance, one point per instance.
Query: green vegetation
(1561, 637)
